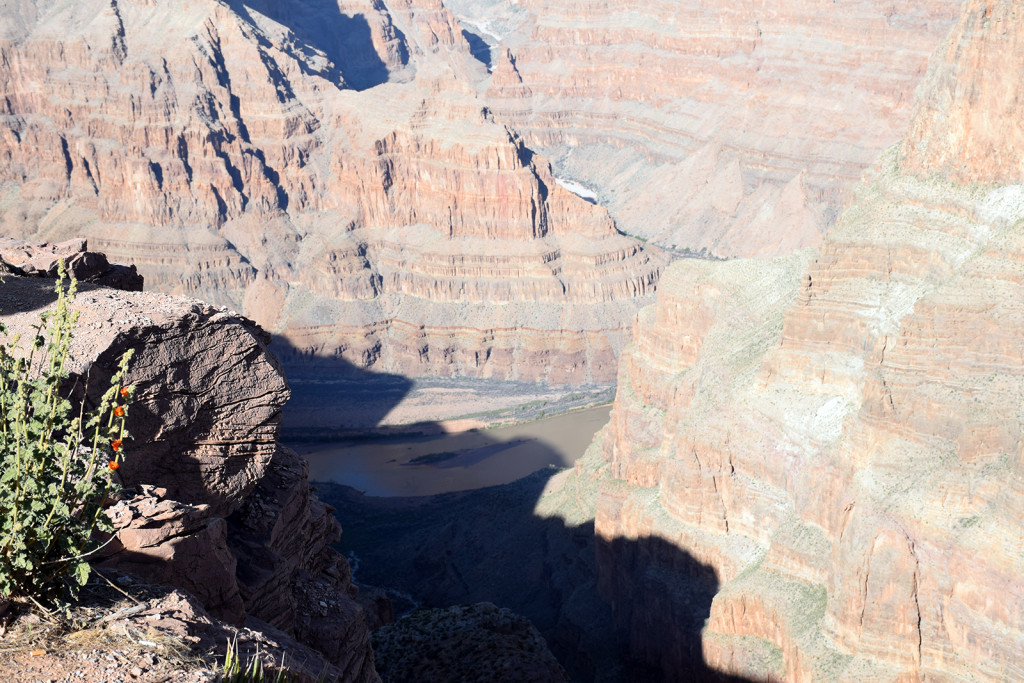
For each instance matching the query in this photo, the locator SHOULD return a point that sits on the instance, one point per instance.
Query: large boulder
(206, 412)
(211, 503)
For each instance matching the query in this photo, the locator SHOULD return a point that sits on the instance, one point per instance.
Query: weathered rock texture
(323, 167)
(736, 127)
(156, 614)
(207, 407)
(212, 503)
(841, 443)
(171, 543)
(969, 125)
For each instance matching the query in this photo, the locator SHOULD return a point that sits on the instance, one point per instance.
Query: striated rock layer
(839, 443)
(734, 127)
(323, 167)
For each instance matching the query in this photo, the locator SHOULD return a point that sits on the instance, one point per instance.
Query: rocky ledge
(211, 503)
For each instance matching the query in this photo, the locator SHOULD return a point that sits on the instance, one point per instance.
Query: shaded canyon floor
(495, 545)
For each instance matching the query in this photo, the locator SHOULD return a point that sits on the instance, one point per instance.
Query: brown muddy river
(427, 465)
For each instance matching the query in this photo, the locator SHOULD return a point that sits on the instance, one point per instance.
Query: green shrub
(57, 460)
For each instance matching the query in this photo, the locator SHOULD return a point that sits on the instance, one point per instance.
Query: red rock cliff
(969, 125)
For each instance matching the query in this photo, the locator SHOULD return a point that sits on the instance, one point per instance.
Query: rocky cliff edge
(212, 504)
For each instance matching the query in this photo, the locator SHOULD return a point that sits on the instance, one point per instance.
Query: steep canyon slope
(322, 167)
(735, 127)
(840, 440)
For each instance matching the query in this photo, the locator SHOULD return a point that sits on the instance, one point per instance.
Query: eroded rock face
(326, 168)
(840, 467)
(206, 412)
(290, 577)
(839, 443)
(735, 127)
(180, 545)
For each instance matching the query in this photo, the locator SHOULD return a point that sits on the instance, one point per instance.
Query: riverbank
(333, 409)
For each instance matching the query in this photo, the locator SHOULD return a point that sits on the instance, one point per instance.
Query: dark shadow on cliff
(488, 545)
(662, 598)
(333, 398)
(319, 26)
(479, 48)
(627, 610)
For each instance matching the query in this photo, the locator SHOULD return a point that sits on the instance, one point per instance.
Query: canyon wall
(738, 128)
(839, 442)
(322, 167)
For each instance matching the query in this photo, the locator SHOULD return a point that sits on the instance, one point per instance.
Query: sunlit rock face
(838, 434)
(323, 167)
(735, 127)
(969, 126)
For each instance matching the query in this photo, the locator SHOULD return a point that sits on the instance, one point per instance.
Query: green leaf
(81, 572)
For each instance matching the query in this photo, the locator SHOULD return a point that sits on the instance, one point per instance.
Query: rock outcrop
(325, 168)
(208, 398)
(466, 643)
(739, 127)
(42, 259)
(212, 504)
(839, 444)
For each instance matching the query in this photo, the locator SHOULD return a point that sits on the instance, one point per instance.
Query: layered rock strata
(212, 503)
(840, 444)
(325, 168)
(734, 128)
